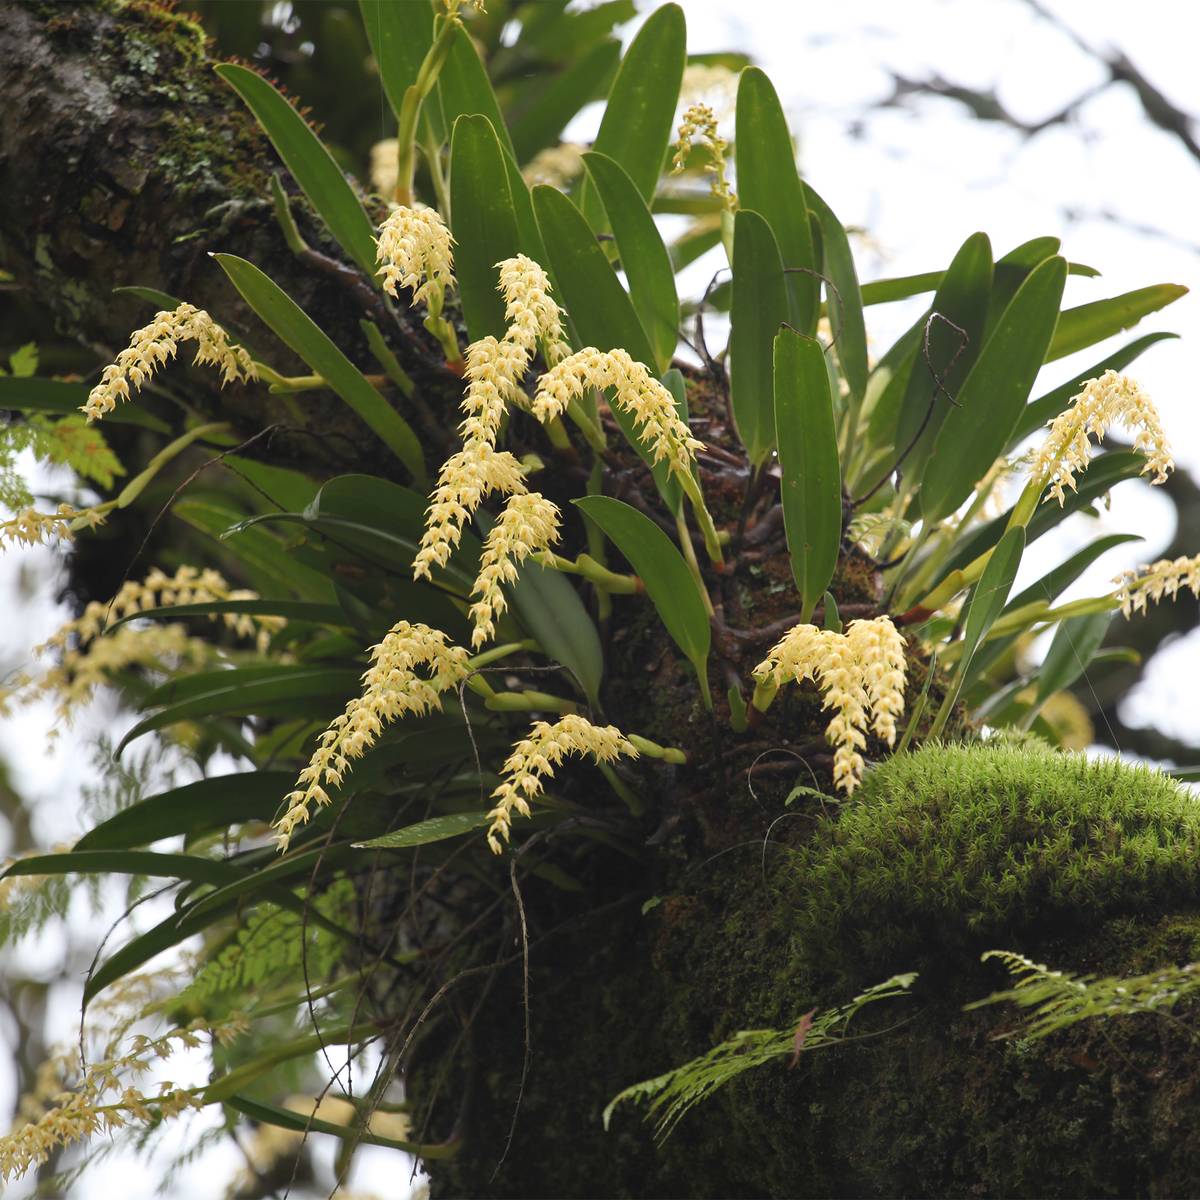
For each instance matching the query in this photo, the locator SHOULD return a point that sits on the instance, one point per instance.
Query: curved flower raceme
(415, 251)
(153, 345)
(634, 389)
(31, 528)
(87, 661)
(699, 121)
(534, 759)
(1135, 589)
(466, 478)
(1108, 400)
(410, 670)
(529, 523)
(494, 371)
(861, 672)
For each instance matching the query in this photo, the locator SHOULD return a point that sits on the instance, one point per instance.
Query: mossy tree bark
(124, 160)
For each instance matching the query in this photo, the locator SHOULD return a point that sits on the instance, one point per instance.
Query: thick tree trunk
(126, 161)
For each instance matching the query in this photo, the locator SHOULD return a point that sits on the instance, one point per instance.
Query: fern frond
(671, 1095)
(1059, 999)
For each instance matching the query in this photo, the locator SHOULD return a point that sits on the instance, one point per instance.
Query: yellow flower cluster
(534, 758)
(86, 660)
(31, 528)
(159, 590)
(392, 687)
(862, 675)
(556, 166)
(385, 166)
(634, 389)
(1135, 589)
(415, 252)
(1103, 402)
(104, 1099)
(700, 122)
(528, 523)
(151, 346)
(495, 369)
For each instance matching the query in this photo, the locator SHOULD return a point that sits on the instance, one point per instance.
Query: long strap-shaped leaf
(759, 308)
(301, 333)
(811, 489)
(644, 258)
(670, 585)
(311, 164)
(991, 399)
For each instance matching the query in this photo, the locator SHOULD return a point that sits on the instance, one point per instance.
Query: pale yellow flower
(1106, 401)
(393, 687)
(530, 311)
(63, 1110)
(153, 345)
(634, 389)
(415, 251)
(700, 123)
(466, 478)
(1163, 578)
(385, 166)
(494, 371)
(534, 759)
(862, 674)
(31, 528)
(556, 166)
(86, 661)
(529, 523)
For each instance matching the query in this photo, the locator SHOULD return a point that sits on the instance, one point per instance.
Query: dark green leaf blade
(198, 807)
(550, 609)
(769, 183)
(759, 307)
(1087, 324)
(644, 258)
(1074, 644)
(311, 164)
(668, 582)
(465, 88)
(844, 297)
(811, 487)
(484, 223)
(436, 829)
(962, 298)
(990, 401)
(293, 326)
(636, 127)
(56, 396)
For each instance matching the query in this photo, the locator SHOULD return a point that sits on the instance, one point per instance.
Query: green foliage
(269, 950)
(670, 1096)
(385, 887)
(1060, 999)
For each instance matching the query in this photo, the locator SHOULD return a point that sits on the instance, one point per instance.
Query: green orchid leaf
(769, 183)
(759, 308)
(669, 583)
(59, 398)
(296, 329)
(844, 301)
(1075, 642)
(311, 164)
(436, 829)
(992, 397)
(945, 354)
(1088, 324)
(644, 258)
(811, 487)
(636, 127)
(207, 804)
(484, 223)
(465, 88)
